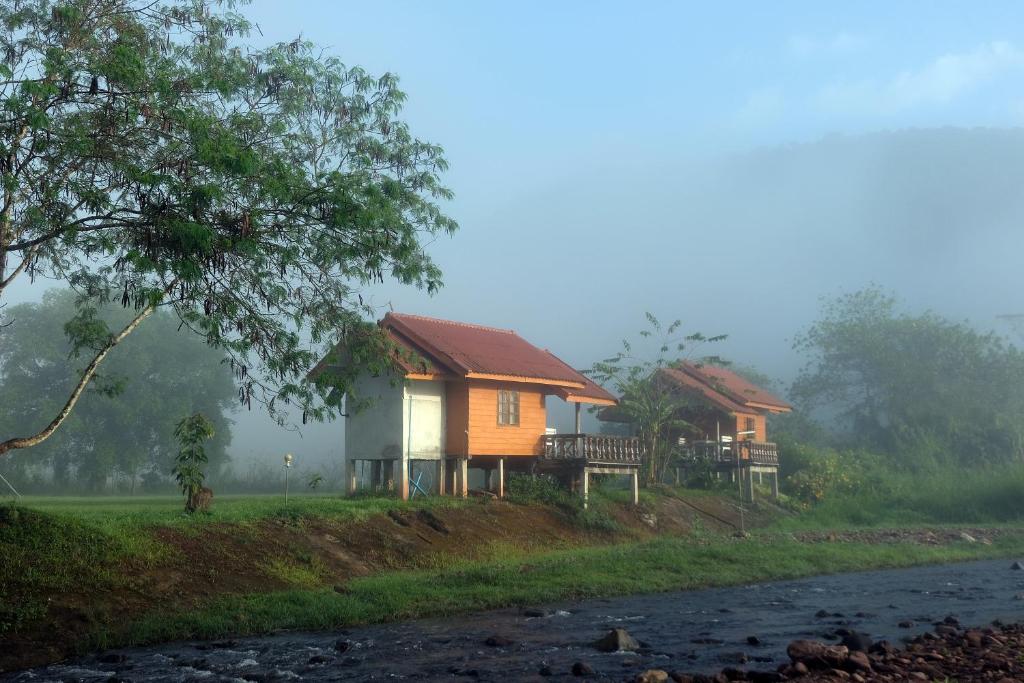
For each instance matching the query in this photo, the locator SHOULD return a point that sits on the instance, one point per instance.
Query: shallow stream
(689, 631)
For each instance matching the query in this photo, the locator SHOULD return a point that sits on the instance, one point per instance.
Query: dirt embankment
(213, 560)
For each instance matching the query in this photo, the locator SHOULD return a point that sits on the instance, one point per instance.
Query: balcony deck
(593, 449)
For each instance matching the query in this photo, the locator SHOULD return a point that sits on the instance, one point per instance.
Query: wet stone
(582, 669)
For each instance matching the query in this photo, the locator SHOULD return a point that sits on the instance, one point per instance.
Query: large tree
(916, 386)
(159, 376)
(151, 156)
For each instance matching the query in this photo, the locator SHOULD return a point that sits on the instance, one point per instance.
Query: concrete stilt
(402, 478)
(775, 484)
(585, 483)
(501, 477)
(463, 477)
(442, 473)
(635, 486)
(350, 476)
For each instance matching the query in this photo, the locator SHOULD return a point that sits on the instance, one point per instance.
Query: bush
(812, 475)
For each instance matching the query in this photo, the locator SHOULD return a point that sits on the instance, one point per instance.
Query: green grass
(993, 496)
(659, 565)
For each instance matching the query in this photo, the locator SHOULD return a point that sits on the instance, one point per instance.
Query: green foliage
(192, 434)
(157, 374)
(648, 403)
(315, 481)
(155, 157)
(918, 387)
(526, 489)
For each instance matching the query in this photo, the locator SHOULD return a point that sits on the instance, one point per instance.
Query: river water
(695, 631)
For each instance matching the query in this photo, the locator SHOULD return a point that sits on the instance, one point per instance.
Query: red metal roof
(734, 386)
(693, 385)
(463, 349)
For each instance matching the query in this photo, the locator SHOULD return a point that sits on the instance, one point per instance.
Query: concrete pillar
(350, 476)
(402, 478)
(585, 482)
(388, 468)
(463, 477)
(442, 473)
(775, 484)
(635, 485)
(579, 420)
(501, 477)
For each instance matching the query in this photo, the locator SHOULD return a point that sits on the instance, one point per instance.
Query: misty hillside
(747, 246)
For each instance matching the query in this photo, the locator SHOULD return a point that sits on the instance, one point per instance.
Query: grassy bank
(86, 573)
(657, 565)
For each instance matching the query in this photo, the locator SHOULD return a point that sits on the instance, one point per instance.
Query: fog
(731, 187)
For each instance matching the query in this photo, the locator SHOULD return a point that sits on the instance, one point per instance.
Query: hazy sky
(611, 158)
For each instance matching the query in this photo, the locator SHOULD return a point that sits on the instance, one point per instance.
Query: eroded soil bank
(745, 627)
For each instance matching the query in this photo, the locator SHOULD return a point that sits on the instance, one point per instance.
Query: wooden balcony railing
(594, 448)
(736, 452)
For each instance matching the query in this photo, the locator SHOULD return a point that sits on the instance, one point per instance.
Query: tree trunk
(83, 382)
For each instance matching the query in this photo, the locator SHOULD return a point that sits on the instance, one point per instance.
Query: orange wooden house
(727, 416)
(472, 397)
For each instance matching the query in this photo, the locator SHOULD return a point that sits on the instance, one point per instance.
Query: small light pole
(287, 466)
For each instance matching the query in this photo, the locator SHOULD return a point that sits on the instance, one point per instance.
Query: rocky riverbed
(715, 633)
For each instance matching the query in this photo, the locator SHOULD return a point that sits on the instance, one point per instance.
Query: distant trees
(645, 402)
(151, 156)
(920, 388)
(158, 376)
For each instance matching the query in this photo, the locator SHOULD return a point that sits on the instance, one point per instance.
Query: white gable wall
(376, 432)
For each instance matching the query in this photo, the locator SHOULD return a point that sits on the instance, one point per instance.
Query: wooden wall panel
(456, 417)
(487, 437)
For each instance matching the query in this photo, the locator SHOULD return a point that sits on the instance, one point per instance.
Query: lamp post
(287, 466)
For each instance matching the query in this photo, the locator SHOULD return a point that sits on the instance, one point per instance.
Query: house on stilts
(726, 423)
(467, 398)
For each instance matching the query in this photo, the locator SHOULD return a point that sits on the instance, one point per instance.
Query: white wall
(423, 426)
(376, 431)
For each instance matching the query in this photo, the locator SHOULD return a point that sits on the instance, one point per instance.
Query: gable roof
(725, 389)
(466, 350)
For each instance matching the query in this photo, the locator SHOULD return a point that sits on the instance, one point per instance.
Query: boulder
(617, 640)
(858, 661)
(966, 537)
(817, 655)
(652, 676)
(1017, 565)
(498, 641)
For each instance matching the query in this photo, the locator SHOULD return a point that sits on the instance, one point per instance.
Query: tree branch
(83, 382)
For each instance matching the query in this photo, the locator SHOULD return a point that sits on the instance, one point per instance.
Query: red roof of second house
(725, 388)
(464, 349)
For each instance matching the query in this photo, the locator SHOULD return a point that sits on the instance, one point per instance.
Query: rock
(764, 676)
(732, 674)
(582, 669)
(946, 630)
(858, 661)
(318, 659)
(818, 655)
(650, 519)
(822, 614)
(753, 640)
(964, 536)
(533, 612)
(1017, 566)
(113, 658)
(973, 638)
(906, 624)
(617, 640)
(882, 647)
(498, 641)
(652, 676)
(545, 670)
(342, 645)
(857, 642)
(398, 518)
